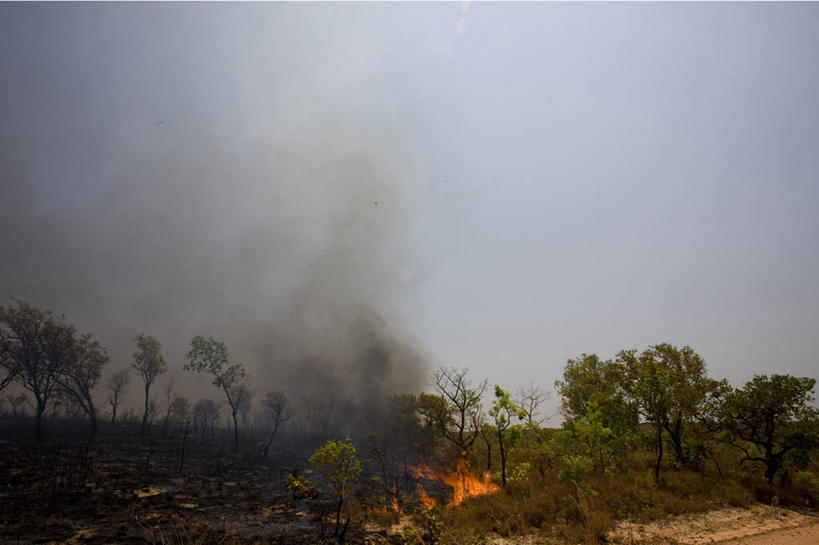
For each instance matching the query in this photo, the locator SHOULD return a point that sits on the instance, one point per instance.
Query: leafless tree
(319, 415)
(279, 412)
(117, 386)
(19, 404)
(486, 435)
(8, 367)
(531, 398)
(169, 400)
(456, 407)
(182, 417)
(206, 413)
(64, 405)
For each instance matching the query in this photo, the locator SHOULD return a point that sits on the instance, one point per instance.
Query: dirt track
(757, 525)
(801, 535)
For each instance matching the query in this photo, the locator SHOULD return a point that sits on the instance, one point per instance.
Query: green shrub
(803, 490)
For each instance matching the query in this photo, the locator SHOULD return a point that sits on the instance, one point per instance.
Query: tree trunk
(770, 471)
(167, 419)
(503, 457)
(40, 411)
(113, 413)
(659, 454)
(772, 463)
(269, 442)
(488, 452)
(92, 417)
(184, 440)
(338, 514)
(676, 441)
(235, 434)
(145, 413)
(716, 463)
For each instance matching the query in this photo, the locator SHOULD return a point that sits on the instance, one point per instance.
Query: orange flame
(463, 483)
(424, 498)
(386, 508)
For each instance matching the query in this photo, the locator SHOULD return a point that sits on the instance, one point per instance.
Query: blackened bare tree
(182, 415)
(169, 400)
(206, 413)
(19, 404)
(8, 367)
(117, 386)
(278, 409)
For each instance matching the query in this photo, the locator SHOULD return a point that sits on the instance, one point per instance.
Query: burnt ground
(129, 490)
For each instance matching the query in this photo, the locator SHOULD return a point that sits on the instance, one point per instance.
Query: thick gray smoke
(207, 171)
(296, 260)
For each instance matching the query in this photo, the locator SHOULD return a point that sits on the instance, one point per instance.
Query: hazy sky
(506, 185)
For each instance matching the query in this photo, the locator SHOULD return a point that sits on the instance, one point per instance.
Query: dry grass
(544, 507)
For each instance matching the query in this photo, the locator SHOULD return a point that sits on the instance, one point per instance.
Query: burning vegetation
(645, 432)
(462, 481)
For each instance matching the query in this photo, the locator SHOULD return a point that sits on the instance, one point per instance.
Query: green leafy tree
(36, 345)
(670, 386)
(588, 437)
(82, 374)
(503, 412)
(771, 417)
(211, 356)
(601, 420)
(149, 363)
(593, 385)
(337, 463)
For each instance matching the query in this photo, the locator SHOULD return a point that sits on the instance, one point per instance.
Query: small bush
(803, 490)
(597, 525)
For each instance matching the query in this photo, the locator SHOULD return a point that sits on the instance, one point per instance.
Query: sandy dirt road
(801, 535)
(756, 525)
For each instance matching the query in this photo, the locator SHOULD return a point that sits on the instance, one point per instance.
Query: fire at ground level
(117, 489)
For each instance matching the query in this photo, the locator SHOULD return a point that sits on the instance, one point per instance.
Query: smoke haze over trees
(292, 248)
(342, 206)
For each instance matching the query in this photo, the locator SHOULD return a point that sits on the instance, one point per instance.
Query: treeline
(644, 432)
(55, 363)
(632, 423)
(610, 407)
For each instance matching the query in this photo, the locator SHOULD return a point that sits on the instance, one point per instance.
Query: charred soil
(130, 491)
